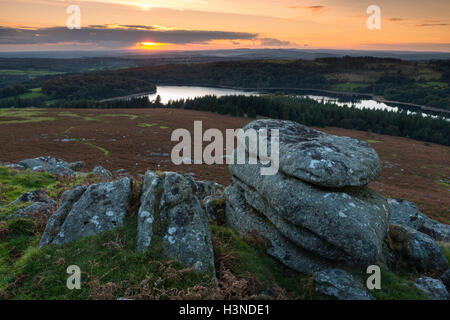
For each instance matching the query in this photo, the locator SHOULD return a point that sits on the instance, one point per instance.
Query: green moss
(14, 183)
(394, 287)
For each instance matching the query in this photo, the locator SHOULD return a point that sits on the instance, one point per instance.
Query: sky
(154, 25)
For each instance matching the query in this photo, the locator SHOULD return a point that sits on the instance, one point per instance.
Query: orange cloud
(310, 8)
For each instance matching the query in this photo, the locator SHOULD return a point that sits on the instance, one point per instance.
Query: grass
(247, 259)
(394, 287)
(35, 93)
(372, 141)
(67, 136)
(110, 267)
(15, 183)
(32, 73)
(131, 116)
(105, 152)
(26, 115)
(446, 248)
(146, 125)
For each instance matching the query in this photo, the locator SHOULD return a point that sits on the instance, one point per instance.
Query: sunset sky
(33, 25)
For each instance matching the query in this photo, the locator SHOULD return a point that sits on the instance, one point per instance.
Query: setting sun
(148, 45)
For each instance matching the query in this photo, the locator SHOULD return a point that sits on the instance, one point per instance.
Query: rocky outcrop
(208, 188)
(56, 221)
(348, 224)
(319, 158)
(434, 288)
(248, 222)
(40, 204)
(417, 250)
(316, 213)
(87, 211)
(407, 214)
(52, 165)
(172, 218)
(77, 166)
(340, 285)
(102, 173)
(215, 209)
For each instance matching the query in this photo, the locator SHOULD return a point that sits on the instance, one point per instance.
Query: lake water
(185, 92)
(168, 93)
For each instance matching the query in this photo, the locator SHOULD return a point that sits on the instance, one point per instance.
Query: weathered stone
(102, 173)
(215, 209)
(247, 222)
(15, 166)
(48, 164)
(340, 284)
(33, 196)
(407, 214)
(320, 158)
(76, 166)
(208, 188)
(434, 288)
(419, 251)
(299, 236)
(446, 279)
(171, 216)
(56, 221)
(41, 204)
(100, 208)
(355, 220)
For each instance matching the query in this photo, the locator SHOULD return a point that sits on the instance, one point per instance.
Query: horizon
(194, 25)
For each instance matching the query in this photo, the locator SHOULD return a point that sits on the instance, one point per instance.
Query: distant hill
(241, 54)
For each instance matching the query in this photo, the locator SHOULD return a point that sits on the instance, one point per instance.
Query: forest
(96, 85)
(418, 82)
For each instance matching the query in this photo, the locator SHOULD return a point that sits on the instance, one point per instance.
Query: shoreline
(261, 90)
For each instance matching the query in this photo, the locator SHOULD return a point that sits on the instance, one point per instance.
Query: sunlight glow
(149, 45)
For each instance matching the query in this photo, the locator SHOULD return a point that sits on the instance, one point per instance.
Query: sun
(149, 45)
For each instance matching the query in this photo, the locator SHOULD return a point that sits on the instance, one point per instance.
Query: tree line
(95, 85)
(302, 110)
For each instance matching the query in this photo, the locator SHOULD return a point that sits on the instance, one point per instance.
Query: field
(32, 73)
(139, 139)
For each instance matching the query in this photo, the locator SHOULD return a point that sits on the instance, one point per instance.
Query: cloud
(271, 42)
(310, 8)
(395, 19)
(115, 36)
(432, 25)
